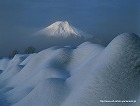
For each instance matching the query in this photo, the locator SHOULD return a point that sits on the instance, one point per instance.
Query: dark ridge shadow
(3, 100)
(1, 71)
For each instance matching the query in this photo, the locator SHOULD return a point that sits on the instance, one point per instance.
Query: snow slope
(60, 33)
(62, 29)
(3, 63)
(67, 76)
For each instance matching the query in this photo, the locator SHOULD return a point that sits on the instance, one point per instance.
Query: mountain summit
(60, 33)
(62, 29)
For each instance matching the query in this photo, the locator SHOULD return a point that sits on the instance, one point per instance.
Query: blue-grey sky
(102, 18)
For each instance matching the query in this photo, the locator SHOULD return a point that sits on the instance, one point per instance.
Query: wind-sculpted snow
(3, 63)
(67, 76)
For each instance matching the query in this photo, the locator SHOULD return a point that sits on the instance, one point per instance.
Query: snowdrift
(67, 76)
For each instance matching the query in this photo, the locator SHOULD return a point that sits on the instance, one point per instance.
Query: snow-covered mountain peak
(59, 24)
(62, 29)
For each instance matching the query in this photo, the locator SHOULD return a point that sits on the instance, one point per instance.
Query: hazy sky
(102, 18)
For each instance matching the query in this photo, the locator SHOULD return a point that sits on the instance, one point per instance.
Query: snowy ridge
(62, 29)
(66, 76)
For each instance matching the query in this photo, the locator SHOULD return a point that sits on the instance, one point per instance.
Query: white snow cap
(62, 29)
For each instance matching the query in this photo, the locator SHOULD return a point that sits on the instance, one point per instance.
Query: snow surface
(3, 63)
(67, 76)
